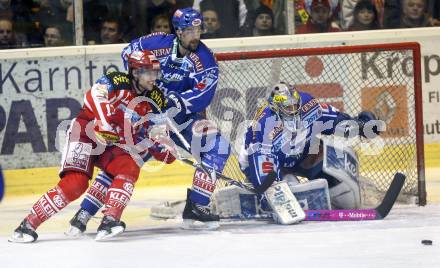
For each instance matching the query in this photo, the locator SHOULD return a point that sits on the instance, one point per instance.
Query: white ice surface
(393, 242)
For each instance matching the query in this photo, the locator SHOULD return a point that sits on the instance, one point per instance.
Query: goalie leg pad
(312, 195)
(233, 202)
(285, 207)
(345, 197)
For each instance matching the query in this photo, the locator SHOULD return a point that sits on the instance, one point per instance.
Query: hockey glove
(163, 150)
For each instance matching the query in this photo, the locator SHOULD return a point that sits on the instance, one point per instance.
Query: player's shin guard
(68, 189)
(117, 198)
(95, 196)
(92, 202)
(203, 186)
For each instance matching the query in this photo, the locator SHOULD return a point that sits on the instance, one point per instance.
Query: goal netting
(384, 79)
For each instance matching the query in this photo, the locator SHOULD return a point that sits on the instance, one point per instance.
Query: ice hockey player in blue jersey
(189, 74)
(284, 138)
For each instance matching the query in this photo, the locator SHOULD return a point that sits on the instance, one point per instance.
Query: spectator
(7, 35)
(434, 8)
(111, 32)
(154, 7)
(320, 20)
(365, 17)
(348, 9)
(54, 12)
(53, 36)
(263, 23)
(212, 24)
(406, 14)
(228, 13)
(161, 23)
(97, 11)
(413, 14)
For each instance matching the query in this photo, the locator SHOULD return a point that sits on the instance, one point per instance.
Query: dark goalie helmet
(285, 101)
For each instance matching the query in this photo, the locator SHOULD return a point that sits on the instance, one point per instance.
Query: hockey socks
(95, 196)
(203, 186)
(68, 189)
(118, 196)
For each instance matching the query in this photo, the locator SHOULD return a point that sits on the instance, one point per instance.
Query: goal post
(382, 78)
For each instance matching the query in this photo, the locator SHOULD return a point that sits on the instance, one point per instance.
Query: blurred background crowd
(39, 23)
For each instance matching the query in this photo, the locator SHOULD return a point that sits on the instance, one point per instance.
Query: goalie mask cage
(383, 78)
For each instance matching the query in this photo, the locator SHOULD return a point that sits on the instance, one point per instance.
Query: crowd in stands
(39, 23)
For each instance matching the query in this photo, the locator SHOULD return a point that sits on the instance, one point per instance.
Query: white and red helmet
(143, 59)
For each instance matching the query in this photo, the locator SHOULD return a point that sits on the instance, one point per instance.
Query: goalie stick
(378, 213)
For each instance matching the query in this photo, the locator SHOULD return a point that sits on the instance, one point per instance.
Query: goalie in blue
(285, 137)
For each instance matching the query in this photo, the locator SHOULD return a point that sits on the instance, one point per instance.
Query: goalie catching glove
(369, 125)
(365, 125)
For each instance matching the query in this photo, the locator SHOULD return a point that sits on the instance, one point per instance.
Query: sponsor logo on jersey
(309, 105)
(59, 202)
(276, 131)
(172, 77)
(120, 79)
(205, 82)
(173, 66)
(266, 164)
(196, 59)
(128, 187)
(312, 117)
(161, 52)
(201, 85)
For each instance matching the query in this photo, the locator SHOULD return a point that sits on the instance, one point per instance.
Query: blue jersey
(193, 77)
(269, 147)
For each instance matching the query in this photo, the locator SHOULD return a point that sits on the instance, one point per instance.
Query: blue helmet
(187, 17)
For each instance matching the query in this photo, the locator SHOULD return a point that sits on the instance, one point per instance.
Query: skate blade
(74, 232)
(198, 225)
(21, 238)
(104, 235)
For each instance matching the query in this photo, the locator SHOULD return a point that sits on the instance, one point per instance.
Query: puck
(427, 242)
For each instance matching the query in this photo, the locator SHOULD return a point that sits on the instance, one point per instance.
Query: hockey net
(384, 79)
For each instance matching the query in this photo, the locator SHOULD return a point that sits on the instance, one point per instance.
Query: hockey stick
(378, 213)
(271, 177)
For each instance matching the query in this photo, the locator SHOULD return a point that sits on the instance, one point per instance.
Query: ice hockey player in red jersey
(99, 136)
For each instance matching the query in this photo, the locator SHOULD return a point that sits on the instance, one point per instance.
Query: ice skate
(109, 228)
(78, 223)
(196, 216)
(24, 233)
